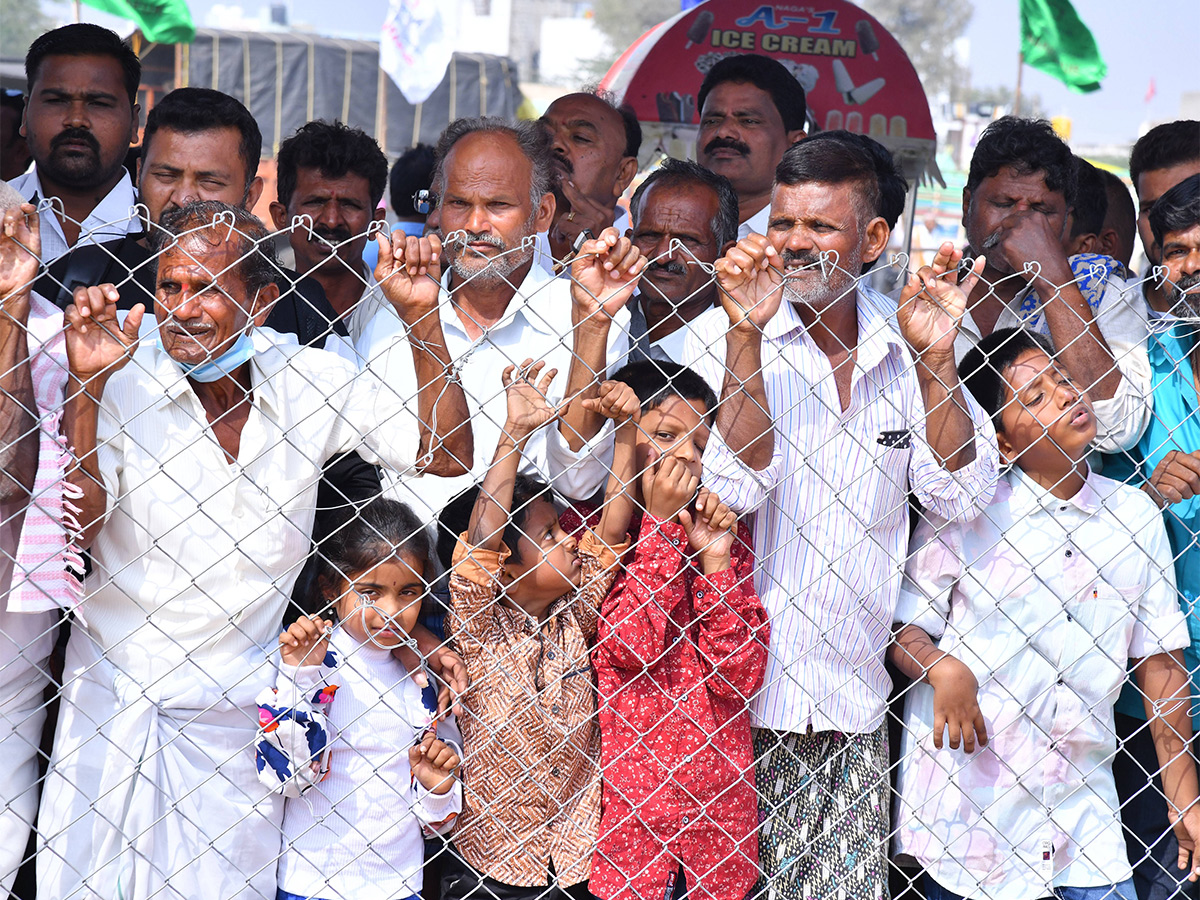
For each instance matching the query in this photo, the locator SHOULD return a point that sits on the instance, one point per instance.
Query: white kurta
(191, 575)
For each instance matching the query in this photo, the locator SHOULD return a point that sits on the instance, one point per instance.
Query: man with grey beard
(498, 308)
(830, 413)
(1168, 467)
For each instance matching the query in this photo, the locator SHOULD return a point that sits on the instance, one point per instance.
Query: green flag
(1054, 40)
(164, 21)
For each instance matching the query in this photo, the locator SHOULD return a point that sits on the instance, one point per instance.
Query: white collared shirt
(831, 528)
(1044, 600)
(197, 555)
(112, 218)
(536, 325)
(756, 224)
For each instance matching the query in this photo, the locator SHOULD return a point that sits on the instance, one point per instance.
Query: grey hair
(724, 223)
(531, 138)
(257, 264)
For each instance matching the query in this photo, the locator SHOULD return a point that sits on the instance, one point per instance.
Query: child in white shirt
(1036, 608)
(349, 737)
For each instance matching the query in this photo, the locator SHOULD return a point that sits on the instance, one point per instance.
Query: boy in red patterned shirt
(681, 647)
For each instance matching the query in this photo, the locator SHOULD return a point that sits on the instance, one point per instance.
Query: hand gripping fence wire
(650, 651)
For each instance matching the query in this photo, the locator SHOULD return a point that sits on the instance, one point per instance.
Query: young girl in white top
(348, 736)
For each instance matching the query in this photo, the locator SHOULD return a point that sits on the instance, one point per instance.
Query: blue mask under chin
(224, 365)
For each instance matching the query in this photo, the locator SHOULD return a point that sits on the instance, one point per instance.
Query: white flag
(416, 45)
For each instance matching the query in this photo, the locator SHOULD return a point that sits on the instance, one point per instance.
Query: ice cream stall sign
(855, 74)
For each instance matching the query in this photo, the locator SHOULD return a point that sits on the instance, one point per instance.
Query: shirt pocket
(1105, 617)
(884, 448)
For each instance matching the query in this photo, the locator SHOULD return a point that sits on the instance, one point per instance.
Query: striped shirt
(832, 521)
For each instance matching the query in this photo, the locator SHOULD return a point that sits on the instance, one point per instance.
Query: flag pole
(1017, 93)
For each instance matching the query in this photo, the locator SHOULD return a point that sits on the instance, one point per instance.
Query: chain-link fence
(752, 606)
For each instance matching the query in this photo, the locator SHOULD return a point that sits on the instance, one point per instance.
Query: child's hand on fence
(710, 531)
(750, 277)
(668, 485)
(433, 763)
(452, 671)
(615, 400)
(409, 273)
(604, 275)
(956, 705)
(529, 407)
(305, 642)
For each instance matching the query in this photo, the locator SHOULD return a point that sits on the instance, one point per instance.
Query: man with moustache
(498, 307)
(1021, 184)
(830, 414)
(197, 470)
(335, 176)
(80, 118)
(1161, 158)
(201, 144)
(1168, 457)
(595, 145)
(751, 111)
(684, 218)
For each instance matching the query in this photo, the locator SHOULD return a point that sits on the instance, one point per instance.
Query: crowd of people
(534, 547)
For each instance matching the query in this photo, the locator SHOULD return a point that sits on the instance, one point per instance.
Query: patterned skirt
(823, 803)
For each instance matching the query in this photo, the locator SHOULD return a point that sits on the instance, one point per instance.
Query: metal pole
(78, 11)
(1017, 93)
(911, 219)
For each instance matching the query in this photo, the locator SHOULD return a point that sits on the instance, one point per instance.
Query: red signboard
(855, 74)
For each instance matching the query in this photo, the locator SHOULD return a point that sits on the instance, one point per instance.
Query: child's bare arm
(1164, 682)
(955, 689)
(528, 410)
(617, 401)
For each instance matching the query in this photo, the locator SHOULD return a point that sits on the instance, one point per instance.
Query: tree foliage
(20, 22)
(927, 29)
(623, 22)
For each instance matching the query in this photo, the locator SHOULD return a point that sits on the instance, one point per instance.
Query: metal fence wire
(228, 649)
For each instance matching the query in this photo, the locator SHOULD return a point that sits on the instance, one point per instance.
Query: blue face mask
(225, 364)
(221, 367)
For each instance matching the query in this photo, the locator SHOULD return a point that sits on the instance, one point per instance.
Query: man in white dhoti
(199, 458)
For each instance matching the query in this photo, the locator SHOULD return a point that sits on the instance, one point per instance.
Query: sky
(1138, 41)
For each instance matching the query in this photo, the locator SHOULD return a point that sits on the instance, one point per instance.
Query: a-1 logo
(771, 18)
